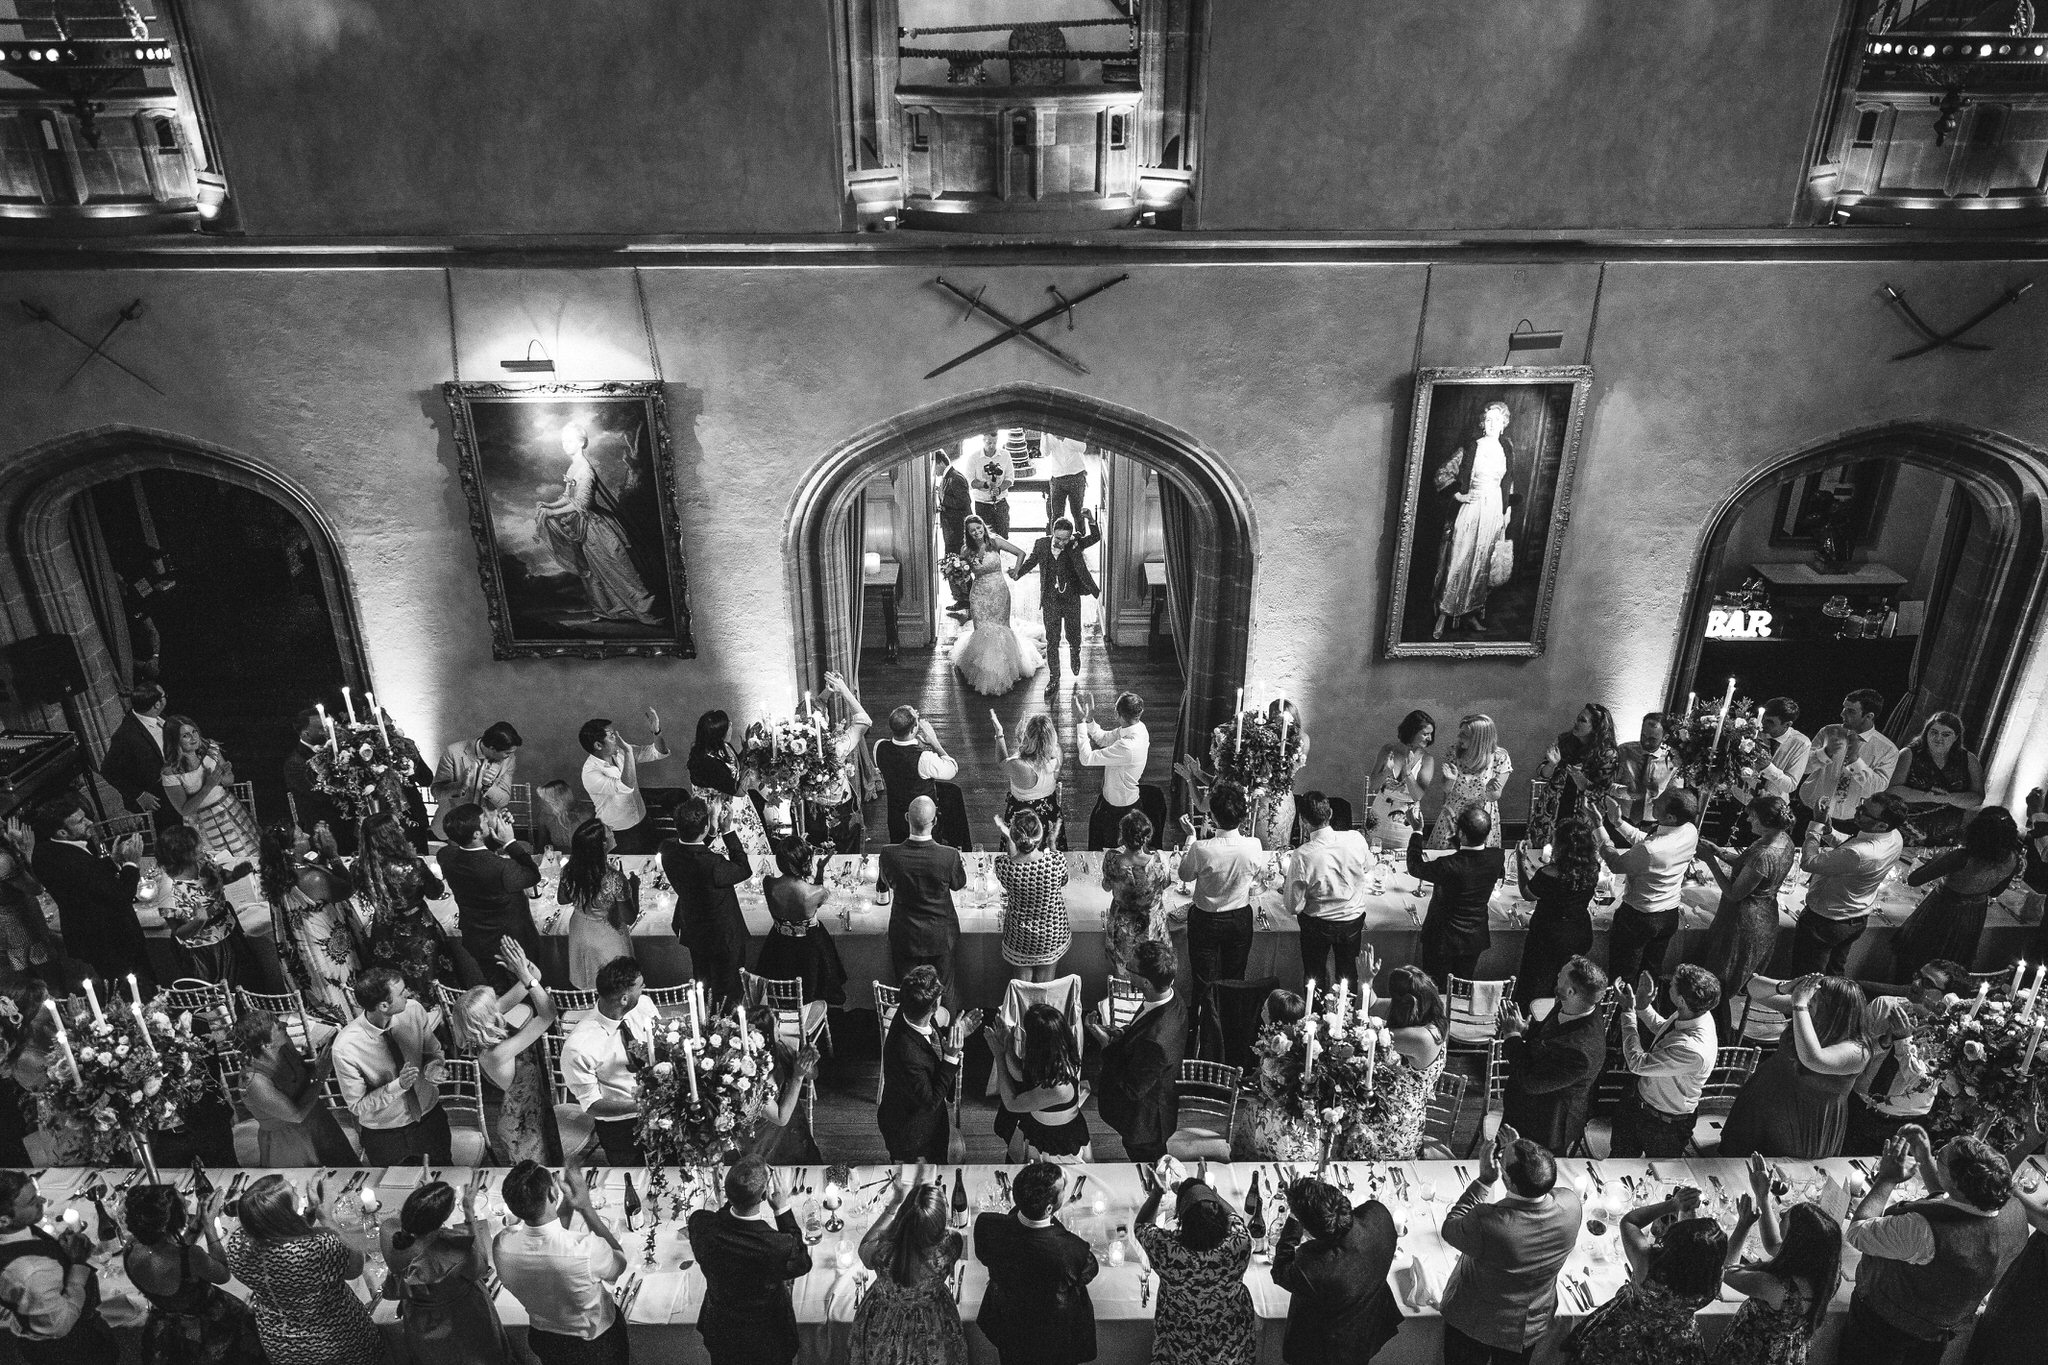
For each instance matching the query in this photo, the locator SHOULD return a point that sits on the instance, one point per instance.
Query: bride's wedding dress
(991, 655)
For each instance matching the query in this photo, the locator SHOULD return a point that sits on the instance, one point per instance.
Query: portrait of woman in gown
(1478, 486)
(583, 530)
(991, 655)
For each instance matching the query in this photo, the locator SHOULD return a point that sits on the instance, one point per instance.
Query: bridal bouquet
(1715, 764)
(789, 757)
(1983, 1050)
(957, 571)
(1258, 753)
(116, 1077)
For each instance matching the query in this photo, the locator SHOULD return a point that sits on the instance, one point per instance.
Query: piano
(36, 764)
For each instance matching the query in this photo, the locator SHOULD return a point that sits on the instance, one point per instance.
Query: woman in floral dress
(395, 884)
(1745, 927)
(300, 1274)
(1205, 1310)
(908, 1316)
(605, 902)
(312, 919)
(509, 1056)
(192, 1320)
(1475, 774)
(1651, 1320)
(1135, 878)
(190, 897)
(1036, 931)
(1787, 1297)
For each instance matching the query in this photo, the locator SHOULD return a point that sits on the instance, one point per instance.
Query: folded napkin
(1412, 1282)
(401, 1178)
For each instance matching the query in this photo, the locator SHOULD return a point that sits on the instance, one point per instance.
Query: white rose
(185, 1022)
(152, 1085)
(121, 1051)
(664, 1070)
(743, 1085)
(106, 1059)
(706, 1064)
(101, 1026)
(159, 1018)
(717, 1040)
(135, 1097)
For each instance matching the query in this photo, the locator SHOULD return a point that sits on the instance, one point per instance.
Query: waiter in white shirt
(1849, 761)
(1790, 750)
(1121, 754)
(611, 775)
(1068, 473)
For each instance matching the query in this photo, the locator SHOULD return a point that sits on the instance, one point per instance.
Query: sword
(1064, 306)
(1011, 328)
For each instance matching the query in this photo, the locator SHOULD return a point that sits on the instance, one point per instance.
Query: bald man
(922, 875)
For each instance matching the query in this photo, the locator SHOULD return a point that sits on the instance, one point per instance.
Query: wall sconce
(529, 365)
(212, 194)
(1525, 337)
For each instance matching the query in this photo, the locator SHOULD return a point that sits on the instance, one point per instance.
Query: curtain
(846, 599)
(102, 582)
(1190, 569)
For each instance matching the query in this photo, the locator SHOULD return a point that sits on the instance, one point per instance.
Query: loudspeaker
(40, 670)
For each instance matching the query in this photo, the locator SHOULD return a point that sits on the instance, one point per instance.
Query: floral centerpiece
(365, 767)
(1257, 752)
(702, 1077)
(1719, 752)
(1333, 1079)
(792, 757)
(1983, 1049)
(118, 1075)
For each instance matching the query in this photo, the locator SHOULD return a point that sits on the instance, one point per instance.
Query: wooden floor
(927, 681)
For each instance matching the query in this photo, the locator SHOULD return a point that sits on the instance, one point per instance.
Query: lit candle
(1691, 699)
(1240, 716)
(333, 742)
(64, 1042)
(808, 709)
(92, 998)
(369, 1200)
(696, 1010)
(1983, 989)
(739, 1015)
(2034, 987)
(690, 1067)
(1308, 1052)
(2017, 973)
(141, 1019)
(1284, 718)
(1727, 700)
(1309, 997)
(377, 714)
(2033, 1042)
(1343, 995)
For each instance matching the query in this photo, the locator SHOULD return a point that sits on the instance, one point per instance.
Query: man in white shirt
(1849, 761)
(1790, 751)
(912, 762)
(611, 775)
(1654, 862)
(595, 1065)
(1067, 471)
(1325, 891)
(46, 1283)
(1899, 1084)
(1845, 877)
(992, 476)
(1656, 1117)
(388, 1062)
(1121, 754)
(480, 770)
(1223, 866)
(558, 1275)
(1645, 771)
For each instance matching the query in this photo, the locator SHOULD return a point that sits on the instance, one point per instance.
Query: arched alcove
(1984, 643)
(822, 593)
(47, 594)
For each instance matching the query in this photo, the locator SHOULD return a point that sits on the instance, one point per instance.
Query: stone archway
(1988, 641)
(820, 598)
(44, 587)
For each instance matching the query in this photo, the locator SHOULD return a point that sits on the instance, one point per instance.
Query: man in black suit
(1333, 1260)
(1454, 933)
(1139, 1089)
(1062, 581)
(921, 876)
(1036, 1309)
(95, 893)
(1554, 1061)
(956, 504)
(708, 918)
(313, 806)
(920, 1066)
(134, 763)
(748, 1252)
(488, 872)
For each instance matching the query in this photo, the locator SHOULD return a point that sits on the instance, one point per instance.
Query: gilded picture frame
(1492, 453)
(571, 491)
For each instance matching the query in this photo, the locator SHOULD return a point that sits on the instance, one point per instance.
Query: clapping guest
(1456, 931)
(920, 874)
(1475, 774)
(799, 948)
(834, 819)
(190, 895)
(1140, 1079)
(600, 1074)
(908, 1316)
(509, 1057)
(24, 933)
(1503, 1291)
(477, 771)
(1038, 1079)
(1036, 1309)
(134, 761)
(489, 873)
(1583, 761)
(1785, 749)
(1785, 1298)
(605, 904)
(1324, 890)
(912, 762)
(1554, 1061)
(557, 814)
(1850, 762)
(94, 891)
(1121, 753)
(388, 1063)
(199, 785)
(1657, 1114)
(707, 916)
(281, 1091)
(191, 1318)
(441, 1276)
(395, 886)
(560, 1276)
(1940, 781)
(1033, 771)
(1745, 928)
(1645, 771)
(312, 807)
(749, 1252)
(299, 1271)
(311, 919)
(1654, 861)
(1950, 921)
(1898, 1087)
(611, 776)
(1672, 1277)
(1333, 1261)
(1205, 1312)
(1136, 878)
(1561, 925)
(1797, 1103)
(782, 1133)
(47, 1284)
(1845, 877)
(1402, 774)
(1036, 930)
(920, 1069)
(1223, 867)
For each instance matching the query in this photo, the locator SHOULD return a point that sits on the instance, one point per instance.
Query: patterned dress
(1135, 882)
(305, 1309)
(911, 1325)
(524, 1115)
(1205, 1311)
(1763, 1335)
(1745, 931)
(316, 941)
(1463, 789)
(225, 826)
(209, 954)
(599, 931)
(1036, 931)
(198, 1324)
(404, 934)
(1644, 1324)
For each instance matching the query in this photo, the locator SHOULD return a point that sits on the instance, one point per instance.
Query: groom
(1064, 577)
(955, 501)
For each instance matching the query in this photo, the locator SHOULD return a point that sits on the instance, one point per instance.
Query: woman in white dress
(1474, 477)
(199, 783)
(991, 656)
(582, 530)
(1401, 774)
(1475, 774)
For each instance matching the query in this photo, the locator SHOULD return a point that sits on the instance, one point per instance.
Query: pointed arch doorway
(1211, 535)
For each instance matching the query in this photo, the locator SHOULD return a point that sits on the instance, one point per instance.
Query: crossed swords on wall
(94, 350)
(1021, 331)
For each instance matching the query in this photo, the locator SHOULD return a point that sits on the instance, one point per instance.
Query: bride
(991, 655)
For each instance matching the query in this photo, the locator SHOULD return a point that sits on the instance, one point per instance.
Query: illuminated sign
(1738, 625)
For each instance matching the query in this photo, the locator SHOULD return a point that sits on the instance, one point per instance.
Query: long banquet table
(1419, 1194)
(1394, 910)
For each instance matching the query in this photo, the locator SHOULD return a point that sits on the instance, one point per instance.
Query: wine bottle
(632, 1202)
(959, 1197)
(202, 1188)
(105, 1227)
(1255, 1212)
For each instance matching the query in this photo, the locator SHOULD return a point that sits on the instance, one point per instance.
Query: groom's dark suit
(1062, 580)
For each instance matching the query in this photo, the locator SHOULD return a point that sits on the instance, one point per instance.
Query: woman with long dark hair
(192, 1320)
(1402, 775)
(1038, 1076)
(1205, 1312)
(440, 1273)
(908, 1316)
(712, 763)
(798, 947)
(1941, 782)
(1561, 926)
(990, 655)
(1950, 921)
(605, 902)
(312, 918)
(191, 896)
(299, 1273)
(1745, 928)
(1797, 1103)
(395, 885)
(1651, 1321)
(782, 1133)
(1786, 1298)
